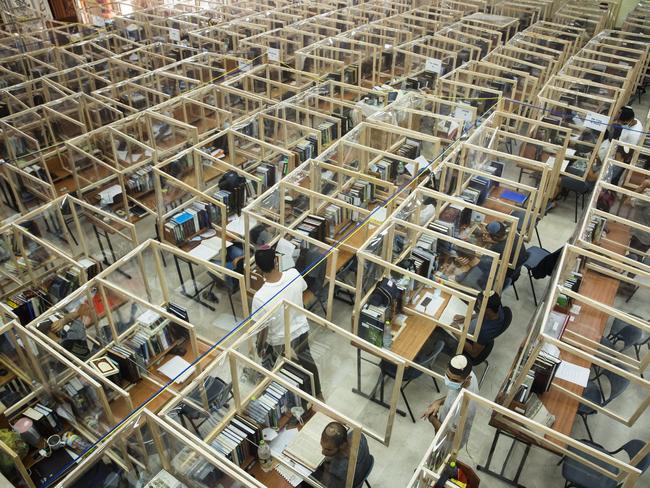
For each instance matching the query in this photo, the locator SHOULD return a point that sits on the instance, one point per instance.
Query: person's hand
(432, 410)
(464, 261)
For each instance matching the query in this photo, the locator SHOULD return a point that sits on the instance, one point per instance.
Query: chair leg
(532, 287)
(514, 288)
(539, 239)
(408, 407)
(584, 420)
(575, 216)
(232, 306)
(487, 366)
(435, 383)
(367, 484)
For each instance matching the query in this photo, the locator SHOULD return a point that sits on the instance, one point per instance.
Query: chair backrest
(315, 278)
(631, 335)
(507, 319)
(366, 474)
(483, 355)
(618, 385)
(632, 448)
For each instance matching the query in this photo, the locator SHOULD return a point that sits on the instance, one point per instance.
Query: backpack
(605, 200)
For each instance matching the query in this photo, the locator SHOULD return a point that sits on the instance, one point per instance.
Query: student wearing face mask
(458, 376)
(335, 444)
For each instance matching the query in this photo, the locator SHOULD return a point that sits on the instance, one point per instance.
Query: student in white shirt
(282, 285)
(629, 131)
(458, 376)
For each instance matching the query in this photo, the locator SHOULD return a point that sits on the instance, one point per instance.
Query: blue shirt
(490, 328)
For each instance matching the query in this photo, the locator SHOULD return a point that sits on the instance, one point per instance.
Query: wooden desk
(590, 324)
(414, 334)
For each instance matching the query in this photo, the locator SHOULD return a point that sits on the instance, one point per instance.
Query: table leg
(379, 384)
(500, 476)
(197, 292)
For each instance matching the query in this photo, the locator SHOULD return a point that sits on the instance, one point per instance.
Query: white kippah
(459, 362)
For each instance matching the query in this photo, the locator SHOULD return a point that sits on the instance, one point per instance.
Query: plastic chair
(595, 394)
(578, 475)
(534, 256)
(579, 187)
(366, 475)
(629, 335)
(410, 374)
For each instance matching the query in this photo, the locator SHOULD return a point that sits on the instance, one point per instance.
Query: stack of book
(328, 133)
(426, 262)
(141, 180)
(306, 149)
(130, 363)
(266, 172)
(28, 305)
(386, 169)
(471, 195)
(410, 149)
(595, 228)
(444, 228)
(334, 216)
(12, 390)
(313, 226)
(371, 323)
(149, 342)
(239, 439)
(544, 369)
(46, 421)
(350, 74)
(184, 225)
(267, 409)
(80, 397)
(346, 120)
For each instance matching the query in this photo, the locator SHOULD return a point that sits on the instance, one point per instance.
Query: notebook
(514, 196)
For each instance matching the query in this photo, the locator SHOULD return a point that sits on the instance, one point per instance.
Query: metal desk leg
(196, 295)
(500, 476)
(379, 384)
(110, 247)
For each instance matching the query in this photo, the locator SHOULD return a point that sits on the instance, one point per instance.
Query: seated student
(458, 376)
(335, 444)
(497, 233)
(494, 321)
(628, 130)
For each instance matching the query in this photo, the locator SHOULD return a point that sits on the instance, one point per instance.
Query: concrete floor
(395, 464)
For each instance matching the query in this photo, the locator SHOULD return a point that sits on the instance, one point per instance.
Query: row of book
(386, 169)
(313, 226)
(130, 364)
(184, 225)
(595, 228)
(372, 321)
(425, 261)
(12, 391)
(267, 174)
(141, 180)
(410, 149)
(28, 304)
(306, 148)
(69, 280)
(80, 397)
(328, 133)
(151, 342)
(238, 440)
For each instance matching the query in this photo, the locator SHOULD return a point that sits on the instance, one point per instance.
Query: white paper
(455, 307)
(273, 54)
(433, 64)
(422, 162)
(244, 65)
(596, 121)
(379, 215)
(433, 305)
(570, 152)
(148, 317)
(464, 114)
(575, 309)
(205, 251)
(573, 373)
(285, 249)
(237, 225)
(175, 35)
(174, 367)
(564, 165)
(284, 437)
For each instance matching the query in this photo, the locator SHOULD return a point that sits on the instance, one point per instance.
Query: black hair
(627, 114)
(494, 302)
(265, 259)
(336, 432)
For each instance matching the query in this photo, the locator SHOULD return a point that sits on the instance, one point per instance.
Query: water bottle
(448, 472)
(264, 455)
(388, 336)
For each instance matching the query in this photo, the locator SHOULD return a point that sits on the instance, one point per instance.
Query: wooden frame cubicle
(228, 368)
(447, 445)
(180, 456)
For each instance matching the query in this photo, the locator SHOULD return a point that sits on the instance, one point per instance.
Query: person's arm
(630, 136)
(431, 413)
(335, 473)
(263, 334)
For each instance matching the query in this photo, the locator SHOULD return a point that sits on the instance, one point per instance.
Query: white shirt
(471, 408)
(274, 292)
(631, 135)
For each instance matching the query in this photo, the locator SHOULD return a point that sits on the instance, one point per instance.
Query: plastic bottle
(388, 335)
(448, 472)
(264, 455)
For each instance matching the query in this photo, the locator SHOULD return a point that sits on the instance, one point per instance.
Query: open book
(305, 447)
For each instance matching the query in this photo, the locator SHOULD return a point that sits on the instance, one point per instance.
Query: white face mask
(452, 385)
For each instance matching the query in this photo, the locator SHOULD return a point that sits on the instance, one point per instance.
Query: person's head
(626, 117)
(334, 440)
(496, 230)
(458, 374)
(265, 259)
(493, 302)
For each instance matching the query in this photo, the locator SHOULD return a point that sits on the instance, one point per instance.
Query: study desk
(408, 341)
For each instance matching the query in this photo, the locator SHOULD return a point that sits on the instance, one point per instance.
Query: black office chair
(315, 277)
(578, 475)
(534, 256)
(230, 286)
(482, 358)
(425, 359)
(579, 187)
(628, 335)
(366, 475)
(595, 393)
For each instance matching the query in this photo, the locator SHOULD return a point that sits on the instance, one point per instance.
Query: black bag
(387, 294)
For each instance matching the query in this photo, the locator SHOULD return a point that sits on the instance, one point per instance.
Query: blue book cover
(182, 218)
(514, 196)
